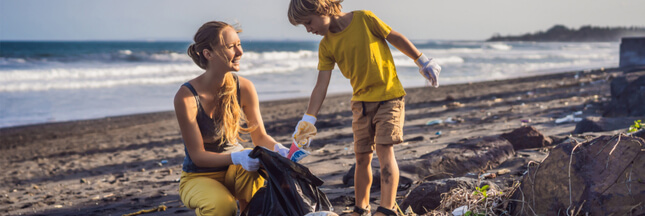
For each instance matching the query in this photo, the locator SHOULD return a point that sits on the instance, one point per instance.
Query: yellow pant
(215, 193)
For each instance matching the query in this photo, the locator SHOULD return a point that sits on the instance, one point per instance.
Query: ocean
(44, 82)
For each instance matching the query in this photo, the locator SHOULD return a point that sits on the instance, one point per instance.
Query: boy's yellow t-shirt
(363, 56)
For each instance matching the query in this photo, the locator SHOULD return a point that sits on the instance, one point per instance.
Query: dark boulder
(628, 100)
(458, 159)
(602, 124)
(527, 138)
(602, 176)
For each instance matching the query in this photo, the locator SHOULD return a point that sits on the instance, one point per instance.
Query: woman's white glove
(242, 158)
(429, 68)
(280, 149)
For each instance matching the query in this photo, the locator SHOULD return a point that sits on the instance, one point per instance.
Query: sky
(175, 20)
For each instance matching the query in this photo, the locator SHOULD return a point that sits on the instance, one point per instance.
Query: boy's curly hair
(298, 9)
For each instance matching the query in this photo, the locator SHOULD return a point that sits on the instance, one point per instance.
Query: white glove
(429, 69)
(280, 149)
(242, 158)
(305, 130)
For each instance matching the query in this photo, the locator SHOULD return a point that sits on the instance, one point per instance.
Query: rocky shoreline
(120, 165)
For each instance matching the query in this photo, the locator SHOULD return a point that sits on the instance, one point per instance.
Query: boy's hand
(305, 130)
(429, 69)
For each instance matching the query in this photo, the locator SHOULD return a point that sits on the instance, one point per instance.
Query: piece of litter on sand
(567, 119)
(157, 209)
(461, 210)
(164, 161)
(450, 121)
(322, 213)
(488, 176)
(438, 133)
(434, 122)
(503, 171)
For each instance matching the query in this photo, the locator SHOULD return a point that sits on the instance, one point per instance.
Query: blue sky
(266, 19)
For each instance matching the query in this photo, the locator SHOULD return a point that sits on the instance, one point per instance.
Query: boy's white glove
(305, 130)
(429, 69)
(242, 158)
(280, 149)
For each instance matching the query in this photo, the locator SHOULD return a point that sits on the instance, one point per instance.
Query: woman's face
(231, 49)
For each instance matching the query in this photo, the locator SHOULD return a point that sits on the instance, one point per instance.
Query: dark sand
(119, 165)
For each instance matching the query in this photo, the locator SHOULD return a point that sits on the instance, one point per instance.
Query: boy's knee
(363, 159)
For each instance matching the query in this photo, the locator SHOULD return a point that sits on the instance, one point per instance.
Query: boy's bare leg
(363, 179)
(389, 175)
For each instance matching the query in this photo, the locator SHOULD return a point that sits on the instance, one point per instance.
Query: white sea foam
(497, 46)
(149, 79)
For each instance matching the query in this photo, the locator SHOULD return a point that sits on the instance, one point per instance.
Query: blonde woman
(210, 108)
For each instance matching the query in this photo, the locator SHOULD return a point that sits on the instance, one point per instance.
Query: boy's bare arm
(319, 93)
(428, 67)
(403, 44)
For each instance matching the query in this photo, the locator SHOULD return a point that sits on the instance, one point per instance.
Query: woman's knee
(222, 207)
(207, 197)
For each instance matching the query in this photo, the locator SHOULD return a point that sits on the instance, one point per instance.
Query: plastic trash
(296, 154)
(434, 122)
(291, 189)
(322, 213)
(450, 121)
(567, 119)
(438, 133)
(461, 210)
(164, 161)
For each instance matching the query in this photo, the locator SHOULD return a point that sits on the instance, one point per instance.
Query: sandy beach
(120, 165)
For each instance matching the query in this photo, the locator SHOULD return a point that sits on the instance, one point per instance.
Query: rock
(601, 124)
(457, 159)
(415, 139)
(343, 201)
(618, 84)
(601, 177)
(427, 196)
(526, 138)
(630, 101)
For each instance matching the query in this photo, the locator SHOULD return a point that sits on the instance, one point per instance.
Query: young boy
(356, 41)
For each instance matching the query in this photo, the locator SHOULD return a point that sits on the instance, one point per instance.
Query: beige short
(377, 123)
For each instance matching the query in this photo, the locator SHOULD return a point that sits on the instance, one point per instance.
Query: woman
(210, 108)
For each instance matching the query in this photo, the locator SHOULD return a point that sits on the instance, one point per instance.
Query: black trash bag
(291, 189)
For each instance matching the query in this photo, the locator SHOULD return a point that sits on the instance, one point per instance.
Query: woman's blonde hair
(298, 9)
(229, 117)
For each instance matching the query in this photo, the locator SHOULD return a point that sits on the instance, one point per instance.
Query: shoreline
(122, 164)
(279, 97)
(279, 100)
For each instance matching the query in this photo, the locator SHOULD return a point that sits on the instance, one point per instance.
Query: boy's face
(317, 24)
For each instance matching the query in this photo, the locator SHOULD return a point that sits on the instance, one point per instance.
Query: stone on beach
(526, 138)
(460, 158)
(601, 177)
